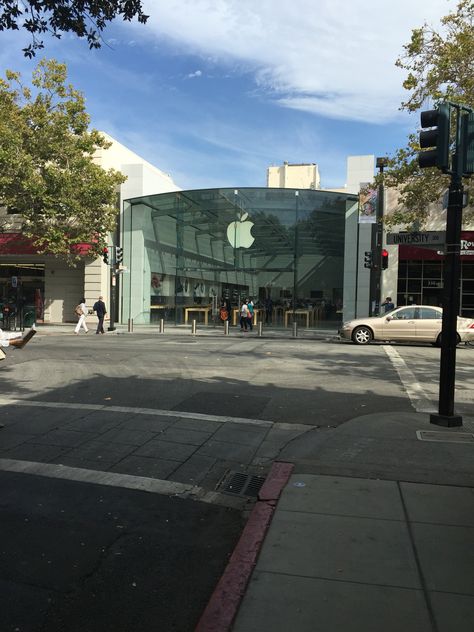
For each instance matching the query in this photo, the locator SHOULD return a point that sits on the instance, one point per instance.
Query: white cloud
(192, 75)
(331, 57)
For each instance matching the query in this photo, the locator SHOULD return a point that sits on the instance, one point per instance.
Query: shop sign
(467, 247)
(424, 238)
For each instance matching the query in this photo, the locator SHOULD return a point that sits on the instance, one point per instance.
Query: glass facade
(187, 252)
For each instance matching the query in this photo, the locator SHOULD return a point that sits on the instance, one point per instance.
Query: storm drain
(445, 437)
(241, 484)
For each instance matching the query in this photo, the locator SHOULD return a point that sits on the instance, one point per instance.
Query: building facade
(46, 289)
(294, 176)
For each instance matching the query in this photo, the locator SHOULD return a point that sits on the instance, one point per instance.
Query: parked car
(412, 323)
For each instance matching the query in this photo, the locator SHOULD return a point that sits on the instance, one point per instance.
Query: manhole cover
(241, 484)
(445, 437)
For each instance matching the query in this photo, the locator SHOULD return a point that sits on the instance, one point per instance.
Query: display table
(298, 312)
(205, 310)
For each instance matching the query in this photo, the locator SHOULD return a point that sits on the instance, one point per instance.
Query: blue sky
(214, 91)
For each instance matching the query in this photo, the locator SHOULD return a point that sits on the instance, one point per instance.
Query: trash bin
(29, 318)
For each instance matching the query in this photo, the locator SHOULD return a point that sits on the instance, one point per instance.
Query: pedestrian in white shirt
(244, 314)
(81, 311)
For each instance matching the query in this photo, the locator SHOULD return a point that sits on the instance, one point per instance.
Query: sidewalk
(185, 330)
(374, 531)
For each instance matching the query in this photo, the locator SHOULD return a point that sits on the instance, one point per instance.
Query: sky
(215, 91)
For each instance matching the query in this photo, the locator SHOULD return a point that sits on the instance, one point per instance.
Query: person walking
(100, 309)
(81, 311)
(250, 314)
(244, 313)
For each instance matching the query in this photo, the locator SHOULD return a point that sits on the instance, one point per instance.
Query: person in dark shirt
(100, 309)
(388, 305)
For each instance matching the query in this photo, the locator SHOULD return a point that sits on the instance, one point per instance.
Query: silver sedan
(413, 323)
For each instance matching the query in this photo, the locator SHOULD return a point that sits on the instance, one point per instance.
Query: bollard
(226, 328)
(295, 329)
(193, 328)
(130, 325)
(260, 329)
(162, 325)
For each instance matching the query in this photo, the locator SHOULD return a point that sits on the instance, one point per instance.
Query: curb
(224, 603)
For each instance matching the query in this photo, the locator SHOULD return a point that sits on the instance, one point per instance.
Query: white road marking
(113, 479)
(130, 410)
(419, 399)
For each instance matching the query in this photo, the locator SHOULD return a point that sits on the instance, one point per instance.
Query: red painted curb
(225, 600)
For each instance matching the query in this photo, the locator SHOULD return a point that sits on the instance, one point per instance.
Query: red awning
(17, 244)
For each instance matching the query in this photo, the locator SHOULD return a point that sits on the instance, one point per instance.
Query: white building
(294, 176)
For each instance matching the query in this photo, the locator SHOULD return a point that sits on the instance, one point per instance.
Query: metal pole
(162, 326)
(226, 328)
(295, 329)
(260, 329)
(451, 277)
(193, 328)
(130, 325)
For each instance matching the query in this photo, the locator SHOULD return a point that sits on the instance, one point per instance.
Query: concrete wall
(63, 289)
(143, 178)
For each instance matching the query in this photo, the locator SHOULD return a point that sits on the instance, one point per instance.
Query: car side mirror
(389, 318)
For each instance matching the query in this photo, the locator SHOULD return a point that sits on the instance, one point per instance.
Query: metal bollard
(295, 329)
(130, 325)
(193, 328)
(226, 328)
(162, 325)
(260, 329)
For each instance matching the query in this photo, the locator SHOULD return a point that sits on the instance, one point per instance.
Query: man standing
(101, 311)
(388, 305)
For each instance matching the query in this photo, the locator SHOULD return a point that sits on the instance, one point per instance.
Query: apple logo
(239, 233)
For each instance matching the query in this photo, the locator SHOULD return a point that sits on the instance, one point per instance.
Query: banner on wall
(368, 200)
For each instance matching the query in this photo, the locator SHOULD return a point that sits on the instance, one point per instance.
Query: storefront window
(189, 251)
(21, 294)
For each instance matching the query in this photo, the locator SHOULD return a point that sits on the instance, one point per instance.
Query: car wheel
(362, 335)
(438, 340)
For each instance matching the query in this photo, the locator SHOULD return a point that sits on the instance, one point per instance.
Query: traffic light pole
(456, 157)
(376, 245)
(451, 278)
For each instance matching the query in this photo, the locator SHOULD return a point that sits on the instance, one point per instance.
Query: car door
(400, 324)
(428, 324)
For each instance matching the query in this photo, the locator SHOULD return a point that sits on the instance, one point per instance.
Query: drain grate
(445, 437)
(241, 484)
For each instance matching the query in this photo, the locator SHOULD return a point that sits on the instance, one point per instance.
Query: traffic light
(436, 138)
(467, 143)
(118, 255)
(384, 259)
(105, 256)
(368, 259)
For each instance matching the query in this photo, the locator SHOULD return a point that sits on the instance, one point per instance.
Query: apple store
(186, 252)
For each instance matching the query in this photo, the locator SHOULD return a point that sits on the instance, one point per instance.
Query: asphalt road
(123, 520)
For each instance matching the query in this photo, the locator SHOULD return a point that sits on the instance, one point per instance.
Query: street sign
(424, 238)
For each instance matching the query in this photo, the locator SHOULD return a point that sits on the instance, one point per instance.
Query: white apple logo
(239, 233)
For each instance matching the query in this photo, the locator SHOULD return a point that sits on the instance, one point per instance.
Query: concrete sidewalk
(384, 546)
(185, 330)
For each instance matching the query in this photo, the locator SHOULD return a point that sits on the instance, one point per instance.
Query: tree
(47, 173)
(440, 66)
(84, 18)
